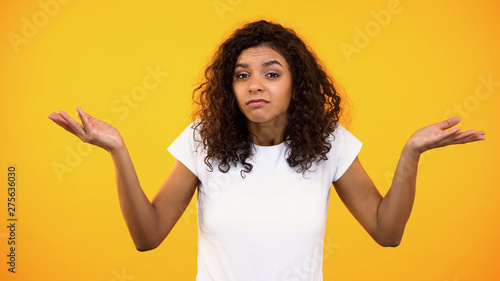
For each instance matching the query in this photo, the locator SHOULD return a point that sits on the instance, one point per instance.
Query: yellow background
(423, 64)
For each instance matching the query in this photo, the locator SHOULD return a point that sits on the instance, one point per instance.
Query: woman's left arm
(384, 218)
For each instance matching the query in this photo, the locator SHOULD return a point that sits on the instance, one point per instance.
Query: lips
(257, 102)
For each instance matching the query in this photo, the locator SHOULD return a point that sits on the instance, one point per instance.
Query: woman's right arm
(148, 222)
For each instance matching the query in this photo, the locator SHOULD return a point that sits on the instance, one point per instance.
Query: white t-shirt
(269, 225)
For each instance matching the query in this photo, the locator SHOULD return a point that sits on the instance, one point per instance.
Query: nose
(255, 85)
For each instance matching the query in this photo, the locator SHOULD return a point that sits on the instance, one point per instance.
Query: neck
(268, 133)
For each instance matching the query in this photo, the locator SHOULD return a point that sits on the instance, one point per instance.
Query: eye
(272, 75)
(242, 76)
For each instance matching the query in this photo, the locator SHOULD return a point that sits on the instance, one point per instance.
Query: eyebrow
(266, 64)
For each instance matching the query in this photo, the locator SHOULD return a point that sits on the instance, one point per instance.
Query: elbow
(389, 241)
(389, 237)
(149, 242)
(145, 246)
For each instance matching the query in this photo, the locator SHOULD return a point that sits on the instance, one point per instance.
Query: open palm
(93, 131)
(434, 136)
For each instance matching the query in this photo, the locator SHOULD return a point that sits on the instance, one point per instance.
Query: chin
(257, 119)
(261, 117)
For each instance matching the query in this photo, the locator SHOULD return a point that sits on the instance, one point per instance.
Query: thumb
(448, 123)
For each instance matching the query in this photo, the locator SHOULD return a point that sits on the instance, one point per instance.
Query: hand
(93, 131)
(434, 136)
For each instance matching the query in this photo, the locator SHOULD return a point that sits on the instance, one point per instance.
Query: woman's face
(262, 84)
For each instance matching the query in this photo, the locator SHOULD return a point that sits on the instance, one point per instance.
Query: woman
(263, 151)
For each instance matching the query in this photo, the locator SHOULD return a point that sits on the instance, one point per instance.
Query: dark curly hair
(313, 112)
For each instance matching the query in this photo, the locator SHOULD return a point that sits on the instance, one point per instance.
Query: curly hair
(313, 112)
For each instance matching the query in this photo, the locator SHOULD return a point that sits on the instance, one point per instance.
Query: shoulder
(341, 134)
(190, 137)
(192, 132)
(344, 149)
(188, 147)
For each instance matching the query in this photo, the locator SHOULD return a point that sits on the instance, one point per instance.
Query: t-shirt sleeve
(185, 149)
(345, 148)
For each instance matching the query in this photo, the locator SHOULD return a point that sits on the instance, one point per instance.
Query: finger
(465, 134)
(448, 123)
(452, 138)
(56, 118)
(471, 138)
(85, 121)
(90, 118)
(79, 131)
(464, 137)
(447, 135)
(471, 135)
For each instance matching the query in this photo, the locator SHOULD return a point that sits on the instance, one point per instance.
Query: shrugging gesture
(265, 87)
(148, 222)
(385, 218)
